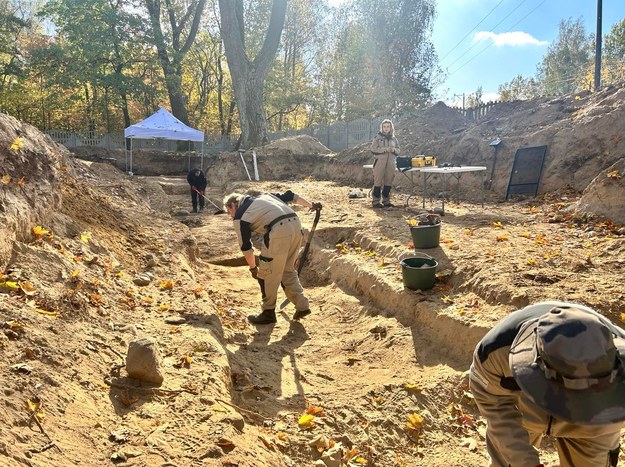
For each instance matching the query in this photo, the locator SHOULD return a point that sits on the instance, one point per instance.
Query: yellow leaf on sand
(502, 238)
(622, 316)
(166, 285)
(21, 181)
(75, 273)
(498, 225)
(412, 387)
(163, 307)
(85, 236)
(39, 231)
(6, 179)
(414, 422)
(306, 422)
(9, 286)
(46, 312)
(282, 436)
(17, 144)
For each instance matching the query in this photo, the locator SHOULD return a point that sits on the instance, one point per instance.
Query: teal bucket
(426, 236)
(418, 273)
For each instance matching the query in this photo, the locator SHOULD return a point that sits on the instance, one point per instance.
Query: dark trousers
(194, 197)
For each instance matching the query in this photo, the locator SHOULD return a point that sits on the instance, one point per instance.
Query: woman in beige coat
(384, 148)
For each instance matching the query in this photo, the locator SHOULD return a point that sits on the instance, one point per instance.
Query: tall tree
(614, 47)
(563, 66)
(248, 76)
(181, 27)
(104, 39)
(519, 88)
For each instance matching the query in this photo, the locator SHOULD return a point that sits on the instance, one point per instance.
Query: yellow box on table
(424, 161)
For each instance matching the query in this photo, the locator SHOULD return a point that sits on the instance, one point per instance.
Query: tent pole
(202, 163)
(130, 171)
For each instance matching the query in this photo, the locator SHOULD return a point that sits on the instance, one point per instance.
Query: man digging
(269, 215)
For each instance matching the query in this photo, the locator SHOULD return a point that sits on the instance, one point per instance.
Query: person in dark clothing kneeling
(197, 181)
(269, 215)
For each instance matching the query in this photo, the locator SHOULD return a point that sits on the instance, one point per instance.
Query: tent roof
(163, 125)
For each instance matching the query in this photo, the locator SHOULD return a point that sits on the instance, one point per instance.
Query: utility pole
(598, 48)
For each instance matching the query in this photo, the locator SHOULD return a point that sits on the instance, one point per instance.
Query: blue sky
(494, 53)
(511, 40)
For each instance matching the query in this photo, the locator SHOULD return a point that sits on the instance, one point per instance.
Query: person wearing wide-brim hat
(556, 369)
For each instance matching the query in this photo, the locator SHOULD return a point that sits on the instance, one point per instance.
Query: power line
(489, 45)
(492, 30)
(474, 28)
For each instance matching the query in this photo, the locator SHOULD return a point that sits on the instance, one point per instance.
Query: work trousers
(278, 254)
(194, 197)
(384, 169)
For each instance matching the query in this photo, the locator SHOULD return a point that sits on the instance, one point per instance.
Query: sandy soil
(380, 367)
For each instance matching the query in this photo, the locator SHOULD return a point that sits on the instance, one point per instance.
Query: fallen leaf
(502, 238)
(470, 443)
(282, 436)
(615, 174)
(85, 237)
(40, 232)
(306, 422)
(17, 144)
(317, 411)
(27, 288)
(9, 286)
(414, 422)
(497, 225)
(21, 181)
(6, 179)
(166, 285)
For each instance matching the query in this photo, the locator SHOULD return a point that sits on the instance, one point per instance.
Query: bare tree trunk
(248, 77)
(172, 63)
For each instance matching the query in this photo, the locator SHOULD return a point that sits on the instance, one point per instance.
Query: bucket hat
(570, 363)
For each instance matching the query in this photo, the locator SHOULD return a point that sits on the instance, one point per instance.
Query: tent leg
(130, 168)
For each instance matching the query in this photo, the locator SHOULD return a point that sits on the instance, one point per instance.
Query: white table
(427, 172)
(455, 172)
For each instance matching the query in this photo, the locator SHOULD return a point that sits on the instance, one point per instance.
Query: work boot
(266, 317)
(194, 210)
(375, 203)
(386, 203)
(299, 314)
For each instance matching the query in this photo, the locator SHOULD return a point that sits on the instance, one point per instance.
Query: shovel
(302, 259)
(219, 210)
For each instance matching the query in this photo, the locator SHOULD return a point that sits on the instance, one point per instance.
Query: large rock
(143, 361)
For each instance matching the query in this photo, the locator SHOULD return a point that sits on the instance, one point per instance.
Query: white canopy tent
(165, 126)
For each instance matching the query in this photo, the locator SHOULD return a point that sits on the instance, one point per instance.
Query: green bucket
(418, 273)
(426, 236)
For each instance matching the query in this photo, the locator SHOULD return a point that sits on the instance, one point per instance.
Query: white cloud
(508, 38)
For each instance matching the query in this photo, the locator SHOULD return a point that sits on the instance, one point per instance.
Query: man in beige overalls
(384, 148)
(269, 215)
(555, 369)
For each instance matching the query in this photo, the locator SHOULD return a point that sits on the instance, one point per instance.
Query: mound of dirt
(30, 166)
(604, 195)
(295, 157)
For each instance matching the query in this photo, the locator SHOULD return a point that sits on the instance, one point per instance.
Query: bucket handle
(416, 254)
